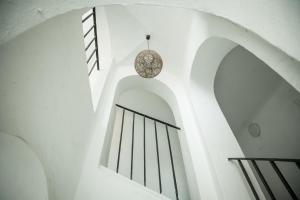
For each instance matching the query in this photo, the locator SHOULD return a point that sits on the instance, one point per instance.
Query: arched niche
(217, 132)
(251, 95)
(199, 173)
(221, 142)
(22, 175)
(154, 92)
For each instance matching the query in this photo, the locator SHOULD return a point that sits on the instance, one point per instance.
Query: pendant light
(148, 63)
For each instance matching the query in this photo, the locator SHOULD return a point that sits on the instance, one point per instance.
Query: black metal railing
(155, 121)
(272, 162)
(91, 41)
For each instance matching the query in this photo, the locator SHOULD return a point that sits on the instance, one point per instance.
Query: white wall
(50, 104)
(147, 103)
(274, 17)
(248, 91)
(199, 180)
(208, 140)
(279, 122)
(243, 83)
(22, 176)
(45, 98)
(165, 25)
(152, 105)
(219, 139)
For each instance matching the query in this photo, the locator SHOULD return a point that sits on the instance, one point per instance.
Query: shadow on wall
(230, 88)
(22, 176)
(250, 92)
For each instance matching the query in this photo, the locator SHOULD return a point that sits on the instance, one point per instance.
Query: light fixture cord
(148, 44)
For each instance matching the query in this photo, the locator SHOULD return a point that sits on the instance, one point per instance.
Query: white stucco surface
(274, 17)
(243, 84)
(248, 91)
(22, 175)
(152, 105)
(195, 177)
(46, 97)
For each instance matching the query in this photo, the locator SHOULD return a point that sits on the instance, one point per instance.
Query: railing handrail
(93, 40)
(148, 116)
(272, 162)
(134, 113)
(268, 159)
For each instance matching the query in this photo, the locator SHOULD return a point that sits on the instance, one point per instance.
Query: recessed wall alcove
(249, 92)
(231, 88)
(148, 96)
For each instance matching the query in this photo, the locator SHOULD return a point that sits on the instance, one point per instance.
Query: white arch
(22, 175)
(278, 20)
(221, 142)
(172, 91)
(214, 27)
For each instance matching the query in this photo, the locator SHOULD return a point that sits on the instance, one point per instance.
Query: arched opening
(218, 129)
(155, 170)
(219, 139)
(263, 112)
(125, 153)
(22, 175)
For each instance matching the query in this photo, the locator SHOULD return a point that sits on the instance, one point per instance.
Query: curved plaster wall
(22, 175)
(203, 26)
(248, 91)
(45, 98)
(199, 173)
(243, 84)
(206, 26)
(152, 105)
(278, 20)
(218, 137)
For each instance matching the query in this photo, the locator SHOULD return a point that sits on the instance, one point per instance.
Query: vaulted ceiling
(169, 29)
(269, 19)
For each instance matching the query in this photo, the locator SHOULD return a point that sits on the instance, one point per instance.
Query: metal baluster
(87, 17)
(173, 170)
(120, 142)
(144, 153)
(263, 179)
(283, 180)
(96, 42)
(157, 153)
(92, 68)
(132, 145)
(92, 54)
(248, 179)
(88, 46)
(88, 31)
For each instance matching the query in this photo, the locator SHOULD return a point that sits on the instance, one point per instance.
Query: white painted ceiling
(269, 19)
(168, 28)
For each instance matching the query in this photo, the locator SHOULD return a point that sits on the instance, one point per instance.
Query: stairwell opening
(261, 109)
(144, 145)
(219, 130)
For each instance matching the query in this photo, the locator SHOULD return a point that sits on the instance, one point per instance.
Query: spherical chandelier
(148, 63)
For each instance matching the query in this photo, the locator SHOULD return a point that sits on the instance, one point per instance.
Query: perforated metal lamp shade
(148, 63)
